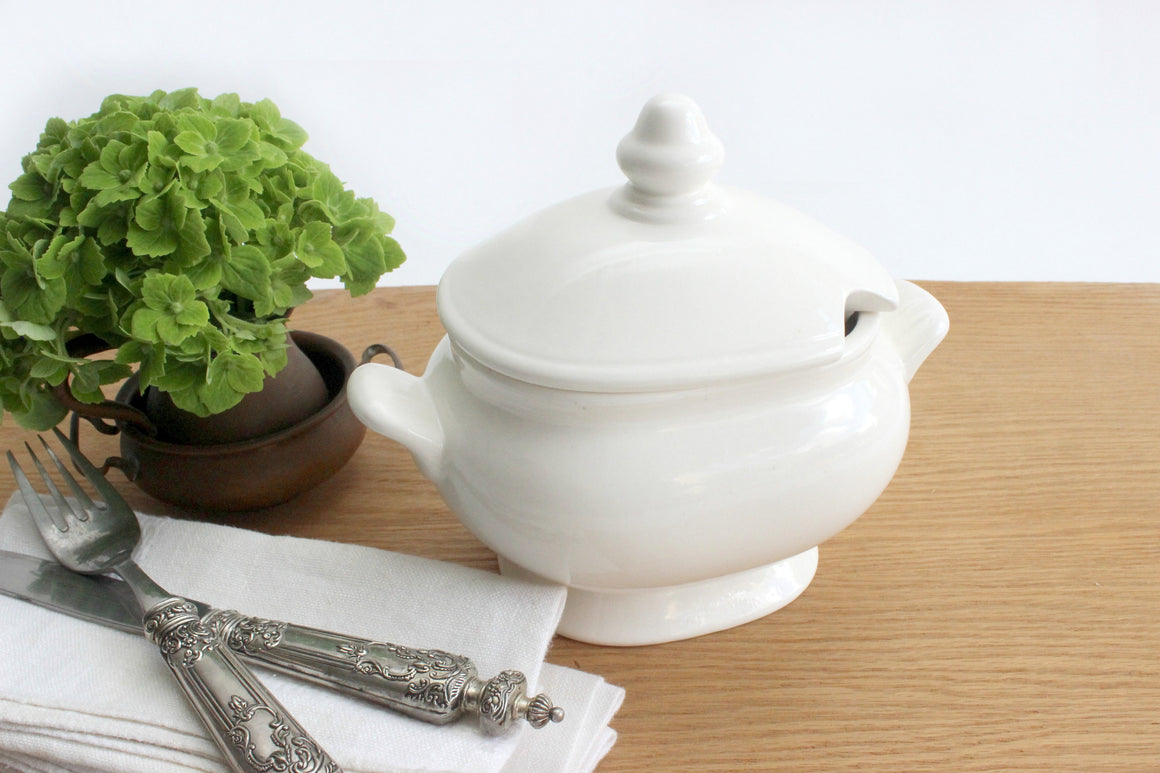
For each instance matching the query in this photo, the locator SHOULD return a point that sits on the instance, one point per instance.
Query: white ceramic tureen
(662, 395)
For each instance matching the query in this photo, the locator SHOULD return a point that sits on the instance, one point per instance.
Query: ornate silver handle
(252, 729)
(431, 685)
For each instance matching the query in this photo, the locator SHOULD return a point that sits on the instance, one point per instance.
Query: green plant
(180, 231)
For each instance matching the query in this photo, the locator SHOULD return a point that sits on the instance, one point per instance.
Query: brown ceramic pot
(250, 474)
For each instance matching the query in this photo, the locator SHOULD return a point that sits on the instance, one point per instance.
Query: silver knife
(431, 685)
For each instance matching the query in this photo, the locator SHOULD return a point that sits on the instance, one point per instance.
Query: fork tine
(86, 502)
(41, 514)
(64, 509)
(99, 481)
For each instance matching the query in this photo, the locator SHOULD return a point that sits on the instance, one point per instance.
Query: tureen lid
(668, 281)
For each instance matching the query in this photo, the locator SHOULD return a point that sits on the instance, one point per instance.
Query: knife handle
(431, 685)
(248, 724)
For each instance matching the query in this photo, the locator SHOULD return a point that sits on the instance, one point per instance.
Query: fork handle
(251, 728)
(427, 684)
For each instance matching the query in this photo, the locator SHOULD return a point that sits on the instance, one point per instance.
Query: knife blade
(431, 685)
(94, 598)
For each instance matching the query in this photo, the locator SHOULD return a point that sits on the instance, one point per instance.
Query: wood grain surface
(997, 609)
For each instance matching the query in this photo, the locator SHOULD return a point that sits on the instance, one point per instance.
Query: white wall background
(1011, 140)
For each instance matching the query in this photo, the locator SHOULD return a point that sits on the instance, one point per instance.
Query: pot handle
(374, 350)
(99, 414)
(130, 466)
(104, 416)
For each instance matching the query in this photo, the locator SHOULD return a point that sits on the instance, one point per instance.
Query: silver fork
(250, 727)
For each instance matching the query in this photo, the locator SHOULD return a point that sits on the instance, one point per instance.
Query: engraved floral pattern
(178, 632)
(496, 701)
(251, 635)
(434, 678)
(291, 752)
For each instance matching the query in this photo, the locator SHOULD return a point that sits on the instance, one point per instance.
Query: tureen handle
(917, 327)
(394, 403)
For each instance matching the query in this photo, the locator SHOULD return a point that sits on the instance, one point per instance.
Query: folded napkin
(79, 697)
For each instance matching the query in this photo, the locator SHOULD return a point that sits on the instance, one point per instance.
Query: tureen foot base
(626, 618)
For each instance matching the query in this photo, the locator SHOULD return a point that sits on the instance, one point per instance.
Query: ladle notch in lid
(668, 281)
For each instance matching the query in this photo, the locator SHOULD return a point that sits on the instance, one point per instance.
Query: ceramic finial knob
(670, 151)
(669, 157)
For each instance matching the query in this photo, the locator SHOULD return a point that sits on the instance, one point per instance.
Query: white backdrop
(956, 140)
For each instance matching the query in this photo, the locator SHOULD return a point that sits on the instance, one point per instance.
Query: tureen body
(670, 412)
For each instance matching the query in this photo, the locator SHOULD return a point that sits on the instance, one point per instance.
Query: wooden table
(997, 609)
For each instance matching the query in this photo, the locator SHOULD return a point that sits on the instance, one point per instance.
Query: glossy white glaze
(673, 495)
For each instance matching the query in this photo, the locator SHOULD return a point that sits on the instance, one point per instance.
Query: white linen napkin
(79, 697)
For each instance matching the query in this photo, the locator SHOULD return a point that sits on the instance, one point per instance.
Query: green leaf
(327, 188)
(77, 262)
(30, 187)
(203, 162)
(194, 314)
(144, 324)
(317, 250)
(271, 155)
(207, 186)
(241, 372)
(159, 291)
(55, 130)
(191, 142)
(205, 274)
(229, 378)
(118, 121)
(293, 135)
(157, 180)
(31, 330)
(110, 158)
(169, 329)
(158, 149)
(86, 382)
(182, 98)
(189, 399)
(96, 177)
(39, 212)
(52, 371)
(248, 273)
(275, 359)
(198, 122)
(42, 411)
(148, 357)
(393, 253)
(366, 257)
(125, 192)
(171, 312)
(32, 299)
(192, 243)
(227, 104)
(148, 214)
(266, 114)
(233, 133)
(112, 230)
(151, 243)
